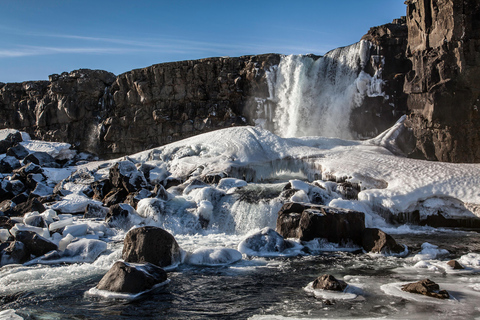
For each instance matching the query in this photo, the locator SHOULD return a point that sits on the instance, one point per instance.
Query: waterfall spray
(316, 97)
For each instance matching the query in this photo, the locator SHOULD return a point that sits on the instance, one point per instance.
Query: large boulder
(329, 282)
(307, 222)
(130, 278)
(427, 288)
(151, 244)
(376, 241)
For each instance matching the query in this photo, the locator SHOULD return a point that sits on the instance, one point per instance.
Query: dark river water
(273, 288)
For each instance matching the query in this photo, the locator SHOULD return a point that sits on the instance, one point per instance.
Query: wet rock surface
(132, 278)
(151, 244)
(329, 282)
(426, 287)
(307, 222)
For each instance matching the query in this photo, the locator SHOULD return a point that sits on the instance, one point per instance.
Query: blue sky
(39, 38)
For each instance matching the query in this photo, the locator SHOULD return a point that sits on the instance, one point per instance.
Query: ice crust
(388, 182)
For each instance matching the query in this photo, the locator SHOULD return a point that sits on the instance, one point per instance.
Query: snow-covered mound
(388, 182)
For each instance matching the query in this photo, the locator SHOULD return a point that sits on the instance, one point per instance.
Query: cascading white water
(316, 97)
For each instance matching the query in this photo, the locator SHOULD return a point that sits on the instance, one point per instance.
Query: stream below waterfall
(268, 287)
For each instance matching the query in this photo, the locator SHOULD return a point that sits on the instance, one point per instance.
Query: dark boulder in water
(307, 222)
(118, 215)
(130, 278)
(151, 244)
(329, 282)
(376, 241)
(427, 288)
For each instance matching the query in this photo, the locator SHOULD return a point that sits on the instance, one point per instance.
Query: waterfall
(315, 97)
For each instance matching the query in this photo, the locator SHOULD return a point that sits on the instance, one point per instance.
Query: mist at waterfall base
(222, 275)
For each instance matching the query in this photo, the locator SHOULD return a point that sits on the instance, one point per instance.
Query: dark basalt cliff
(443, 87)
(112, 116)
(430, 64)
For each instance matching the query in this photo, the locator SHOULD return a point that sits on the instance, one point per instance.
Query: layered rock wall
(443, 86)
(112, 116)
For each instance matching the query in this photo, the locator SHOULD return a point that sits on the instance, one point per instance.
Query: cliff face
(111, 116)
(429, 61)
(389, 46)
(443, 86)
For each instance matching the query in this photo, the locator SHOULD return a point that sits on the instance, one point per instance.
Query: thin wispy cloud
(159, 44)
(38, 50)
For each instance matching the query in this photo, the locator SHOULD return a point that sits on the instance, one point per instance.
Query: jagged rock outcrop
(443, 86)
(140, 109)
(387, 55)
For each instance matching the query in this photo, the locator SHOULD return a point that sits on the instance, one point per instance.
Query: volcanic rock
(18, 152)
(132, 278)
(307, 222)
(455, 265)
(33, 204)
(329, 282)
(442, 87)
(124, 174)
(376, 241)
(13, 252)
(427, 288)
(35, 244)
(118, 215)
(41, 158)
(151, 244)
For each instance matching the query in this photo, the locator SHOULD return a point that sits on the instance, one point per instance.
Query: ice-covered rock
(427, 288)
(57, 150)
(263, 242)
(121, 216)
(213, 256)
(73, 203)
(124, 174)
(13, 252)
(80, 251)
(151, 208)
